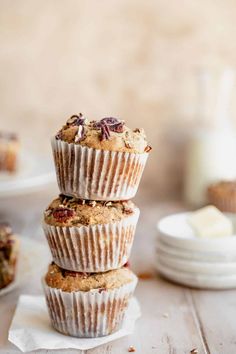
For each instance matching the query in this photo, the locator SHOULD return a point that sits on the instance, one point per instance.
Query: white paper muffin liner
(224, 204)
(93, 248)
(94, 174)
(88, 314)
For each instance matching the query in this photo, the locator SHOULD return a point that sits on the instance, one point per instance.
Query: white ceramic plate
(195, 267)
(197, 281)
(200, 256)
(175, 231)
(31, 254)
(33, 173)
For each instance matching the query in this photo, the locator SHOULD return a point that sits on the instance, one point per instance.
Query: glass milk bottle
(211, 151)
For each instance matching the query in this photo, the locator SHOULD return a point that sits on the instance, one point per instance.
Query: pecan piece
(76, 120)
(92, 203)
(148, 148)
(105, 132)
(80, 135)
(58, 136)
(62, 214)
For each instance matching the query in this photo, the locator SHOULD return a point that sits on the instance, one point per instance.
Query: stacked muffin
(90, 227)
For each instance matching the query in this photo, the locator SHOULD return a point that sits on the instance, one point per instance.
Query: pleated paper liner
(94, 174)
(91, 314)
(225, 204)
(93, 248)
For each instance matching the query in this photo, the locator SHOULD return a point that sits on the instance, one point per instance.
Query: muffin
(88, 305)
(90, 236)
(223, 196)
(9, 147)
(99, 160)
(8, 255)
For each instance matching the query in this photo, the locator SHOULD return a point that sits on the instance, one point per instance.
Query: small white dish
(33, 173)
(195, 267)
(200, 256)
(29, 262)
(175, 231)
(216, 282)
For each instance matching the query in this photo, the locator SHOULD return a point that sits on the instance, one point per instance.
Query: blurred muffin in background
(223, 195)
(9, 148)
(9, 246)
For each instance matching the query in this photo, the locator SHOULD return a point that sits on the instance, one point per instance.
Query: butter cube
(209, 222)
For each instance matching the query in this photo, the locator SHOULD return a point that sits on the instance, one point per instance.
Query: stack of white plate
(198, 262)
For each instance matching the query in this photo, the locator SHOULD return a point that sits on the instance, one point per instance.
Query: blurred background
(135, 60)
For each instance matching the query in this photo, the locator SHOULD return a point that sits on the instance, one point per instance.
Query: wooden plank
(216, 312)
(167, 325)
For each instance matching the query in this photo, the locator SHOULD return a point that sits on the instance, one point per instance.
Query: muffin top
(73, 281)
(106, 134)
(223, 188)
(68, 211)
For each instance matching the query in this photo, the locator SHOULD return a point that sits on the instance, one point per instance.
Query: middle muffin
(90, 236)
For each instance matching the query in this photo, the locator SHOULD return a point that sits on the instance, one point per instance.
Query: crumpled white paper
(31, 328)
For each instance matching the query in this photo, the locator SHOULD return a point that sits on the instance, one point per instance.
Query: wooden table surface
(175, 319)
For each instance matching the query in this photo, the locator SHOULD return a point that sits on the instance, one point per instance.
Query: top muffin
(106, 134)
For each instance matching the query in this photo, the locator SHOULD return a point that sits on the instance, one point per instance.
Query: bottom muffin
(88, 304)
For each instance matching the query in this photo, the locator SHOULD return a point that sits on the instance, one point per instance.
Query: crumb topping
(106, 134)
(69, 281)
(68, 211)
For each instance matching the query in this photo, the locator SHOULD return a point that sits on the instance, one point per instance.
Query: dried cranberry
(101, 290)
(63, 214)
(127, 264)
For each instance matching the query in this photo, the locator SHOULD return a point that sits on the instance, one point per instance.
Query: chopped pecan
(128, 210)
(105, 132)
(80, 135)
(63, 214)
(108, 204)
(109, 124)
(128, 144)
(148, 148)
(92, 203)
(101, 290)
(58, 135)
(76, 120)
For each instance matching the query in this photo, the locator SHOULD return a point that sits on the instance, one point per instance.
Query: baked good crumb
(69, 281)
(68, 211)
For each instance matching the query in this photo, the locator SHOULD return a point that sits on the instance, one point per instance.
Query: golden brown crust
(72, 281)
(67, 211)
(91, 135)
